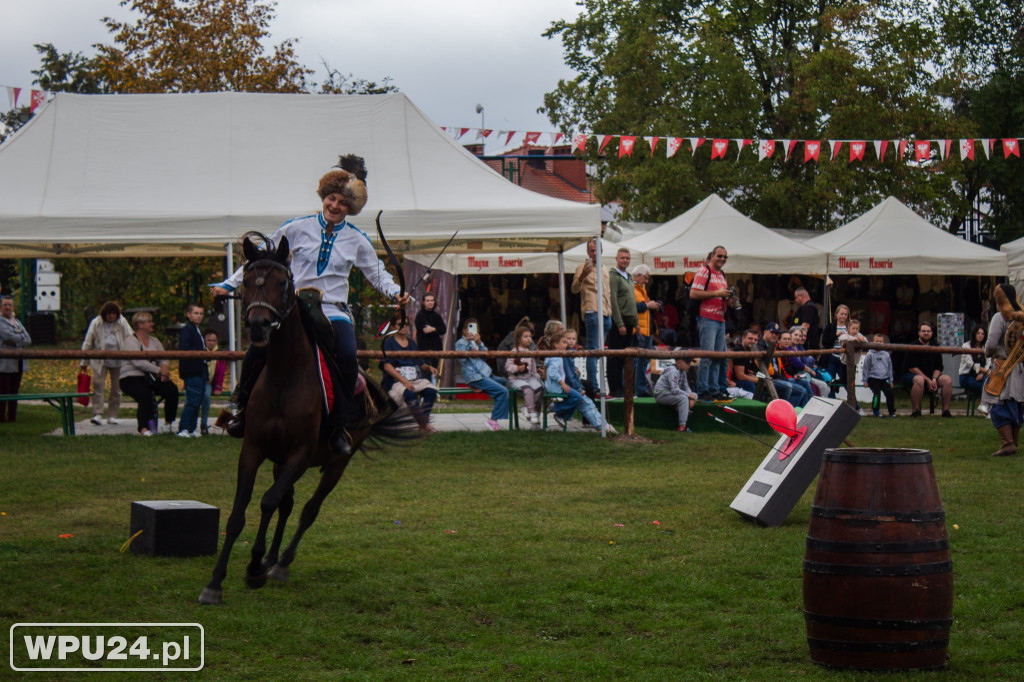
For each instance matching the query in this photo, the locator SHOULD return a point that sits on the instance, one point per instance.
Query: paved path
(459, 421)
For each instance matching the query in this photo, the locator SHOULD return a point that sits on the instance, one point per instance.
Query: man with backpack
(712, 291)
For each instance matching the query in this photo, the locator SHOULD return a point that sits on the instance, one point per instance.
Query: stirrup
(339, 443)
(236, 426)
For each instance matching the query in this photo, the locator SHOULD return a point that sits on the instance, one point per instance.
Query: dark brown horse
(284, 421)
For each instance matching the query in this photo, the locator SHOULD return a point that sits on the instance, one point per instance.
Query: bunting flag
(672, 146)
(653, 141)
(922, 150)
(741, 143)
(626, 143)
(719, 148)
(966, 150)
(857, 150)
(12, 96)
(811, 150)
(880, 147)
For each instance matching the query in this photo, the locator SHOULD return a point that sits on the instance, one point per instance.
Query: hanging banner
(694, 143)
(857, 150)
(836, 146)
(966, 150)
(626, 143)
(719, 148)
(579, 142)
(672, 145)
(811, 150)
(653, 141)
(765, 149)
(604, 143)
(922, 150)
(1010, 148)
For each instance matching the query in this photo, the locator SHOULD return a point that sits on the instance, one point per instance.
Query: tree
(769, 69)
(198, 46)
(988, 36)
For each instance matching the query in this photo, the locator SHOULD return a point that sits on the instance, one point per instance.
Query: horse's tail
(398, 427)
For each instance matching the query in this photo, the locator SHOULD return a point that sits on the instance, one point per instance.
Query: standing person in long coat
(1007, 409)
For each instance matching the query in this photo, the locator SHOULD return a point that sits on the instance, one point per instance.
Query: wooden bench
(64, 402)
(513, 409)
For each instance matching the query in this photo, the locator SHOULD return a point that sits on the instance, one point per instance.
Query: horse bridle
(260, 284)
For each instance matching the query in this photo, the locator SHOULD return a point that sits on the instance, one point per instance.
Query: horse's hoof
(212, 597)
(278, 573)
(256, 581)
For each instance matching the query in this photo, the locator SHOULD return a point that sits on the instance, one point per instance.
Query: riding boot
(252, 366)
(338, 438)
(1006, 438)
(1015, 431)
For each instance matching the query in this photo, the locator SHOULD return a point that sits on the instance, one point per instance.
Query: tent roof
(202, 169)
(891, 239)
(682, 244)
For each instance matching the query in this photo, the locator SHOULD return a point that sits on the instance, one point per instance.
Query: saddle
(376, 404)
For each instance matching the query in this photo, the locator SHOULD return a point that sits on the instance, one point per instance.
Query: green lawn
(493, 556)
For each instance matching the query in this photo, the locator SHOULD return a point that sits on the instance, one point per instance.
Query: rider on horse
(324, 247)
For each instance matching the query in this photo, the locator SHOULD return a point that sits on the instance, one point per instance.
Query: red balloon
(781, 416)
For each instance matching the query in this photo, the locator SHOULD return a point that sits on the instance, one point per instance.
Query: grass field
(493, 556)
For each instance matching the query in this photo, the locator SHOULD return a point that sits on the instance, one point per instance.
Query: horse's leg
(248, 464)
(256, 573)
(328, 480)
(284, 510)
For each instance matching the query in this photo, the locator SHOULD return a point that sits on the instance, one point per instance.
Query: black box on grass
(174, 528)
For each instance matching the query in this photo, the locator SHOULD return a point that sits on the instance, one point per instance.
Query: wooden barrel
(877, 574)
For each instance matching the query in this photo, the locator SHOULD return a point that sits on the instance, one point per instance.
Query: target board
(792, 464)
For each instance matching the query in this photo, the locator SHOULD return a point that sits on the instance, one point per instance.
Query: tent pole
(232, 338)
(561, 282)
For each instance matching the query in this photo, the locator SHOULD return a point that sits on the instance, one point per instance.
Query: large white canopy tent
(185, 174)
(891, 239)
(681, 245)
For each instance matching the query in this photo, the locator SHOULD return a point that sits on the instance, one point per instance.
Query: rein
(260, 284)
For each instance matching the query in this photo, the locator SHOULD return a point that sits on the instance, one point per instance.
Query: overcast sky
(446, 55)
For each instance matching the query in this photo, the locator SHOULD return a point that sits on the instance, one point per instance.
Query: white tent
(682, 244)
(891, 239)
(1015, 260)
(123, 174)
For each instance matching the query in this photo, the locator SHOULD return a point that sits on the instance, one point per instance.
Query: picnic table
(64, 402)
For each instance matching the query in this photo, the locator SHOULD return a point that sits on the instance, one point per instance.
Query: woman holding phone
(477, 373)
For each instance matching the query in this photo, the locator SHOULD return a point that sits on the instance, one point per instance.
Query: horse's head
(268, 292)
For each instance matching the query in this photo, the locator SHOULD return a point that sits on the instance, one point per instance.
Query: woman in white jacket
(107, 331)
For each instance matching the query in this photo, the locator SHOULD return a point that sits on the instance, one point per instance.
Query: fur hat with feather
(349, 182)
